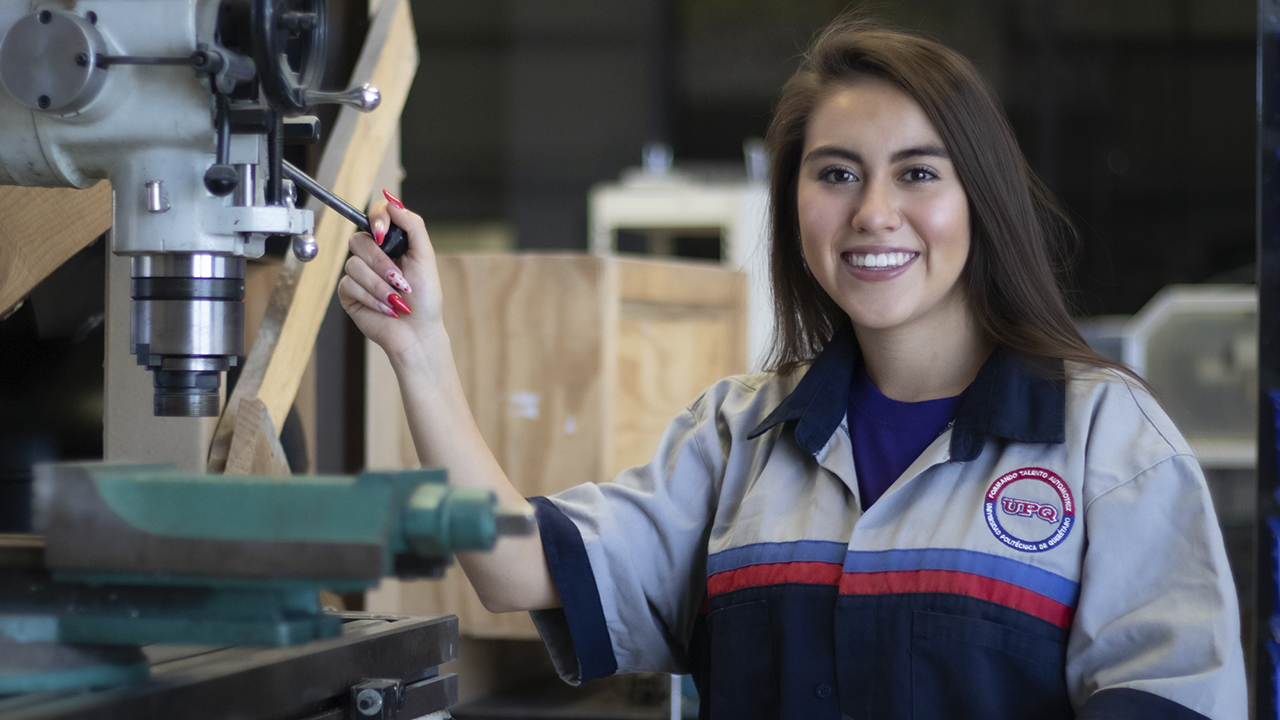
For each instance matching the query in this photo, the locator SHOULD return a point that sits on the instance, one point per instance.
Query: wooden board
(257, 452)
(40, 228)
(274, 369)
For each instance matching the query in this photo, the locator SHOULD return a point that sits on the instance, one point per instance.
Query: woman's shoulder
(745, 399)
(1116, 408)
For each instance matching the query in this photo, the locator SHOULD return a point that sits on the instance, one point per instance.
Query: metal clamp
(376, 699)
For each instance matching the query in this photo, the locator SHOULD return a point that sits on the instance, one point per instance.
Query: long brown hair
(1017, 229)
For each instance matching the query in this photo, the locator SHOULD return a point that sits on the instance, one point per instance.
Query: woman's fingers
(376, 271)
(408, 285)
(380, 290)
(356, 299)
(382, 214)
(379, 221)
(411, 222)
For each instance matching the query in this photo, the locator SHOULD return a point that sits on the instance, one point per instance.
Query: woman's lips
(885, 265)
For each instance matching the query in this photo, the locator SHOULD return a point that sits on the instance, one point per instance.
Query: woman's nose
(877, 211)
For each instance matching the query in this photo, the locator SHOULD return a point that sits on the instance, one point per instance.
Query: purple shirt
(889, 435)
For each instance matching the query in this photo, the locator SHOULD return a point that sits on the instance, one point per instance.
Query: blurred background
(1138, 113)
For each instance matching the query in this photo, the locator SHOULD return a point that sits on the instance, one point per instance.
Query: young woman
(939, 504)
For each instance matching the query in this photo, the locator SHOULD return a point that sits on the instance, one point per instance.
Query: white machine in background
(1198, 347)
(663, 202)
(181, 105)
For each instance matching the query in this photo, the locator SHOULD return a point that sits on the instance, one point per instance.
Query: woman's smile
(879, 264)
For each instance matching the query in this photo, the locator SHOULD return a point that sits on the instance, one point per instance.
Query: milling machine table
(312, 681)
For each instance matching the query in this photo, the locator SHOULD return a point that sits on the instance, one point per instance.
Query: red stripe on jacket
(808, 573)
(893, 582)
(957, 583)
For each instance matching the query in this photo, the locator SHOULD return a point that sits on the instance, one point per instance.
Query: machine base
(312, 681)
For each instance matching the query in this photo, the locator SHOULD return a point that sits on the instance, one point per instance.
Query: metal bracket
(376, 699)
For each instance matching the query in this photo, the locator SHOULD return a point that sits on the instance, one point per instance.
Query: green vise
(144, 554)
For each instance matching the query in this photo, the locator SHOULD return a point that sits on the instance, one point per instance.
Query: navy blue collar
(1005, 400)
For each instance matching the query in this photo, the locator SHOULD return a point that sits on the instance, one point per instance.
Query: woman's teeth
(881, 260)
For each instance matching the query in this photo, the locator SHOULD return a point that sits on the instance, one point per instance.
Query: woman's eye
(919, 174)
(837, 175)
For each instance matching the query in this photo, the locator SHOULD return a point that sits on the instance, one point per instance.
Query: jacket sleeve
(1157, 628)
(629, 559)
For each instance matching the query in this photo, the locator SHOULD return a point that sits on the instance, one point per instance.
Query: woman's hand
(395, 305)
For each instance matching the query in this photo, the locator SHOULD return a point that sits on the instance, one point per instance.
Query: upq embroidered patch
(1030, 509)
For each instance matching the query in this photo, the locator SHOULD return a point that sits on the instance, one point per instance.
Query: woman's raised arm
(398, 306)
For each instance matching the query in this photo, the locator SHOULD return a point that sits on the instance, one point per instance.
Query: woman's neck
(913, 364)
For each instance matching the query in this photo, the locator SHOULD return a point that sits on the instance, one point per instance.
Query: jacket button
(822, 690)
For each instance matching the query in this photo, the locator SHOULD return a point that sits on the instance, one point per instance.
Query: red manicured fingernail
(379, 232)
(398, 303)
(388, 311)
(393, 199)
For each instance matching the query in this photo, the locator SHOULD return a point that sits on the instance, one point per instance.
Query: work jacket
(1053, 554)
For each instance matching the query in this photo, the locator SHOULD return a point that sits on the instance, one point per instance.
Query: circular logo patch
(1030, 509)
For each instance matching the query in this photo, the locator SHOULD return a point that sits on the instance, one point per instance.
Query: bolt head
(369, 702)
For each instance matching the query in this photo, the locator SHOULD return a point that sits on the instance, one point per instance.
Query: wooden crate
(573, 366)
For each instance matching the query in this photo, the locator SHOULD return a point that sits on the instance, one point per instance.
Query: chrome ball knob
(305, 247)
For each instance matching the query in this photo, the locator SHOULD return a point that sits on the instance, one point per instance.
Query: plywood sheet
(673, 282)
(665, 361)
(526, 332)
(681, 328)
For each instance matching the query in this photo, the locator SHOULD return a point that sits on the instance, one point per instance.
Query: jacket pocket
(966, 668)
(743, 677)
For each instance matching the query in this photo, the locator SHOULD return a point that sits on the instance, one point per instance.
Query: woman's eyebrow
(835, 151)
(920, 151)
(832, 151)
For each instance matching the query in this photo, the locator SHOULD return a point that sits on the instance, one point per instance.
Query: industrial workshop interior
(232, 486)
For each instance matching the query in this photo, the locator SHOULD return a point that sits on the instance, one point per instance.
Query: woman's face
(884, 221)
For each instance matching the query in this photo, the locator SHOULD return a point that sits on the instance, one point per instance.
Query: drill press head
(181, 104)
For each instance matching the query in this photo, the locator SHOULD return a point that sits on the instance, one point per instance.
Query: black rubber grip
(396, 242)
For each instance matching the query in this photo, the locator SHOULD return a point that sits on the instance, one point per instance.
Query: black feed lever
(394, 243)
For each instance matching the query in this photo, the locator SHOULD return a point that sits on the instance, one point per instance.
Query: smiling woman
(938, 504)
